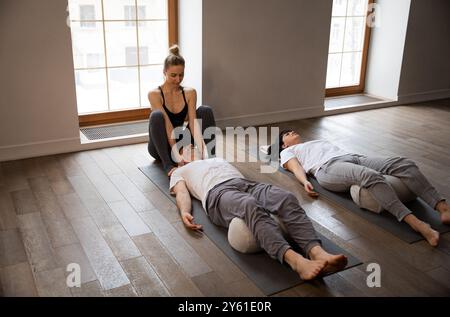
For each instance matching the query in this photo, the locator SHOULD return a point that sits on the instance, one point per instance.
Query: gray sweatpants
(158, 145)
(340, 173)
(252, 202)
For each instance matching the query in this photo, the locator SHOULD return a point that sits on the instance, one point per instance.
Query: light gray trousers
(252, 202)
(340, 173)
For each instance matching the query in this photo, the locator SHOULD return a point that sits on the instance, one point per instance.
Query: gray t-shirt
(201, 176)
(311, 155)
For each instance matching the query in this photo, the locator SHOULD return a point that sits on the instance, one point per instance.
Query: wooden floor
(97, 209)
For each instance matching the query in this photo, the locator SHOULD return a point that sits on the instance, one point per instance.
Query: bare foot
(307, 269)
(431, 235)
(444, 209)
(335, 262)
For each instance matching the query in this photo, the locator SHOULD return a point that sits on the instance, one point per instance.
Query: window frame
(140, 113)
(356, 89)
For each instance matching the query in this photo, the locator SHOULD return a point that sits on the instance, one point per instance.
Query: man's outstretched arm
(184, 205)
(295, 167)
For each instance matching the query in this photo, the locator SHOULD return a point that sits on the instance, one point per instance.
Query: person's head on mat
(190, 153)
(286, 138)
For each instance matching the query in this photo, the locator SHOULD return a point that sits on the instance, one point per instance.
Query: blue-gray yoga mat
(268, 274)
(384, 220)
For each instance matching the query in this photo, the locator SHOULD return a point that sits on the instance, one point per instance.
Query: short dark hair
(280, 141)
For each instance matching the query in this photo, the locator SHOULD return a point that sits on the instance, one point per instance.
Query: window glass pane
(131, 55)
(130, 14)
(154, 9)
(87, 45)
(151, 77)
(333, 70)
(357, 7)
(106, 51)
(154, 35)
(118, 38)
(119, 9)
(351, 69)
(91, 90)
(354, 34)
(337, 35)
(85, 9)
(339, 8)
(143, 55)
(123, 88)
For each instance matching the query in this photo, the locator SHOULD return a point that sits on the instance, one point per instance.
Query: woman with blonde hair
(172, 105)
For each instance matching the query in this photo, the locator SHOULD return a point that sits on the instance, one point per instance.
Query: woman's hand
(310, 189)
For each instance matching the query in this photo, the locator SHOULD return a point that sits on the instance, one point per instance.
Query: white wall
(386, 48)
(38, 113)
(190, 41)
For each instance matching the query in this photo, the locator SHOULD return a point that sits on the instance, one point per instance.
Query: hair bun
(174, 50)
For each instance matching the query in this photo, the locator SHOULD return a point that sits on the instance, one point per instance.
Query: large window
(347, 55)
(118, 48)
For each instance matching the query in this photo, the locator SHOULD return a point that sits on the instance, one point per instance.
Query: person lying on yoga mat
(337, 170)
(226, 194)
(172, 105)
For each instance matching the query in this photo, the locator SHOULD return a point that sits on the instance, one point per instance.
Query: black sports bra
(177, 119)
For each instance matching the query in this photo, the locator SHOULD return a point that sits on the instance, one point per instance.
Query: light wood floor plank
(183, 253)
(144, 279)
(12, 250)
(169, 272)
(7, 210)
(17, 281)
(108, 270)
(129, 219)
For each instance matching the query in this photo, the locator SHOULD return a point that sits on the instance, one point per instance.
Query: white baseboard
(270, 117)
(26, 150)
(424, 96)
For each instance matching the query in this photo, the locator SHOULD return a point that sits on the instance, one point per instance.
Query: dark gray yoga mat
(268, 274)
(384, 220)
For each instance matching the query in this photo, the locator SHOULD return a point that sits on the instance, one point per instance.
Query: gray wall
(426, 59)
(265, 60)
(38, 104)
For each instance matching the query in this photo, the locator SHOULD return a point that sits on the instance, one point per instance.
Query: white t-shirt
(201, 176)
(311, 155)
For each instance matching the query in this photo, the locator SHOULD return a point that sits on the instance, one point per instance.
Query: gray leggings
(340, 173)
(158, 145)
(252, 202)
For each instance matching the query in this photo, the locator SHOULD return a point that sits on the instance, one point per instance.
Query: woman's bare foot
(307, 269)
(335, 262)
(431, 235)
(444, 209)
